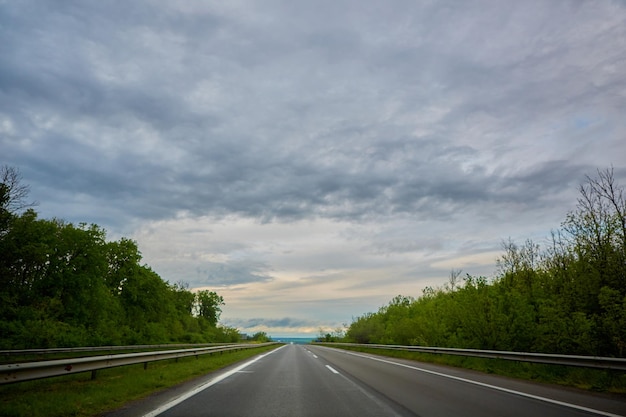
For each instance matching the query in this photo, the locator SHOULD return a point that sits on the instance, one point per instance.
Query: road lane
(312, 380)
(431, 390)
(290, 381)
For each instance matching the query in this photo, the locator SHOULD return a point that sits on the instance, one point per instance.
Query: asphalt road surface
(308, 380)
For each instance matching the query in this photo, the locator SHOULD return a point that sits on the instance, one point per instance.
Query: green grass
(585, 378)
(79, 396)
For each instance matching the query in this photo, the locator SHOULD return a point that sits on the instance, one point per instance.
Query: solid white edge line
(206, 385)
(482, 384)
(333, 370)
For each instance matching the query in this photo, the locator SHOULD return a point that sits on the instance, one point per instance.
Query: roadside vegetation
(568, 297)
(79, 396)
(65, 285)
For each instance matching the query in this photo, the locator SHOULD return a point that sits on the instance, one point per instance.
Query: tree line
(567, 297)
(64, 285)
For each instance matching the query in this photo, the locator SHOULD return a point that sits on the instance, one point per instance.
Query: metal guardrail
(597, 362)
(15, 352)
(18, 372)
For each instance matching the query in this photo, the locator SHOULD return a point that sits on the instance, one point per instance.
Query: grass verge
(79, 396)
(596, 380)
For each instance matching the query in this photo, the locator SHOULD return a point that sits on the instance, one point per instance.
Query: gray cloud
(234, 273)
(110, 95)
(284, 322)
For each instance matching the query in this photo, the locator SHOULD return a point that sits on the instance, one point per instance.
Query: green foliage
(208, 306)
(63, 285)
(569, 298)
(260, 337)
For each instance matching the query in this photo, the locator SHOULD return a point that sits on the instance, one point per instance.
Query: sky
(309, 161)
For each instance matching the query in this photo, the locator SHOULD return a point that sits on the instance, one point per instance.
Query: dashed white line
(314, 355)
(333, 370)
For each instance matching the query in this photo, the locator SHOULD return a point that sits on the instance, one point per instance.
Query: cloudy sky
(311, 160)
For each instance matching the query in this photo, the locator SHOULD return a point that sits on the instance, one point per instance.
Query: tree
(597, 234)
(12, 192)
(208, 306)
(183, 298)
(518, 264)
(12, 196)
(123, 259)
(260, 337)
(453, 280)
(605, 188)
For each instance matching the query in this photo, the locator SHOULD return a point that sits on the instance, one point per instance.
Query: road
(308, 380)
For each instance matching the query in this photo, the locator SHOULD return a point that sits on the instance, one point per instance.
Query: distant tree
(453, 280)
(123, 258)
(597, 235)
(260, 337)
(12, 196)
(184, 299)
(12, 192)
(208, 306)
(604, 187)
(518, 264)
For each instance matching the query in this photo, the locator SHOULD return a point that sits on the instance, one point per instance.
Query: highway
(310, 380)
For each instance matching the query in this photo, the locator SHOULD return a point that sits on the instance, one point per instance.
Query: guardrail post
(93, 374)
(145, 366)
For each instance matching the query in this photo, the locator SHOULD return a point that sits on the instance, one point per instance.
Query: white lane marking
(206, 385)
(314, 355)
(334, 371)
(482, 384)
